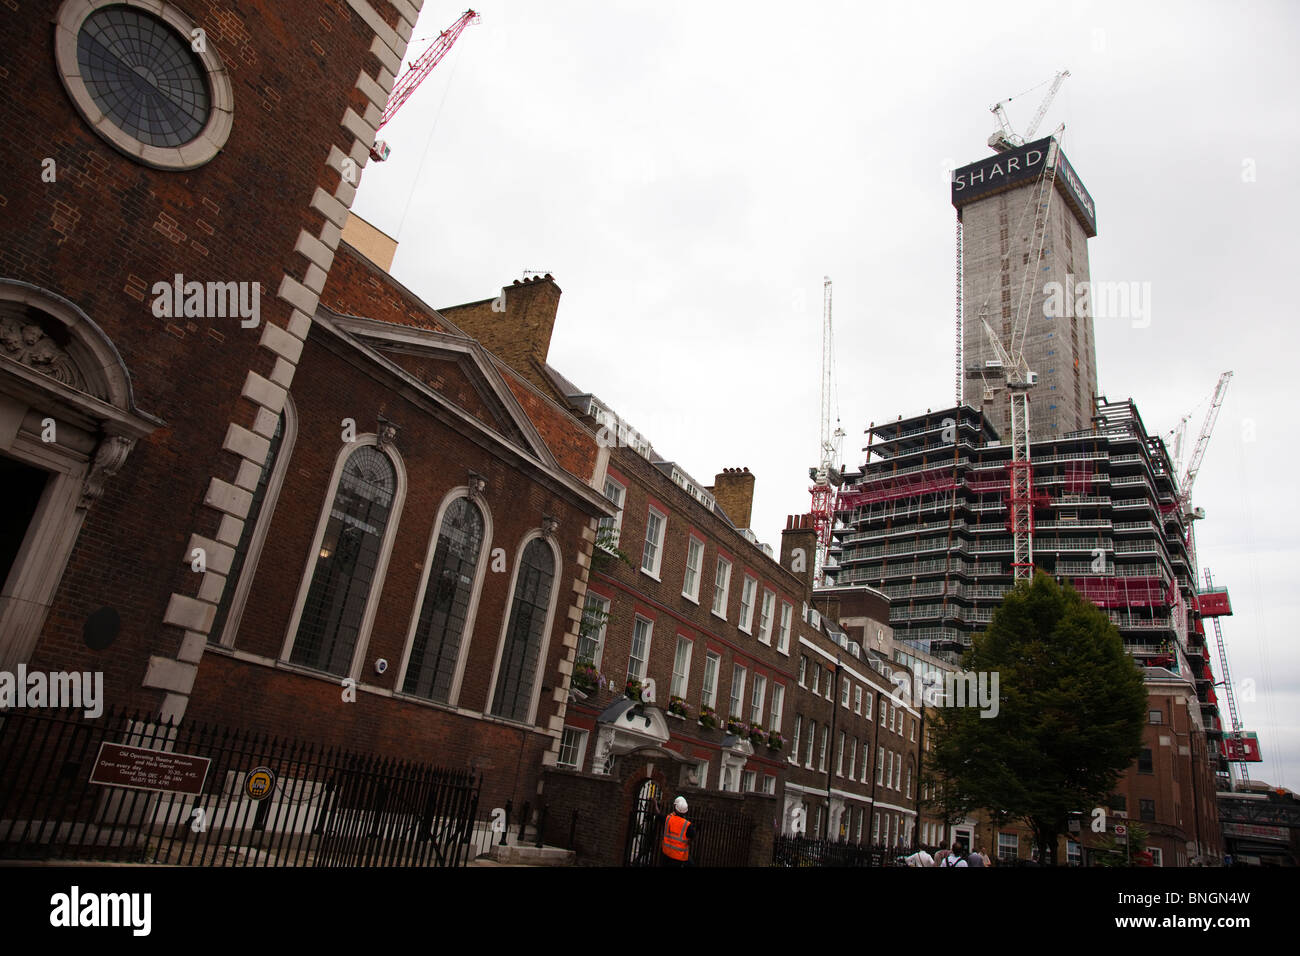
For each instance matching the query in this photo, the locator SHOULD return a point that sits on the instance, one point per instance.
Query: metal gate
(717, 838)
(645, 828)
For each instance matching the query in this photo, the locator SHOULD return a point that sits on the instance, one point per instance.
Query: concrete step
(519, 855)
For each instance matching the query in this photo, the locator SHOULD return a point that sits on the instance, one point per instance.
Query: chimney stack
(516, 326)
(799, 550)
(734, 490)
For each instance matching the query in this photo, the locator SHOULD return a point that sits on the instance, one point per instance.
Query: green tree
(1110, 851)
(1069, 720)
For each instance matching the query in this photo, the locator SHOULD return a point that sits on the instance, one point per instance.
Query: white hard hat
(680, 804)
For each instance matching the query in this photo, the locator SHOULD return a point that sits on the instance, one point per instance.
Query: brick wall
(604, 805)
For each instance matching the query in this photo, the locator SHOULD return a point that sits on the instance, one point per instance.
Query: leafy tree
(1069, 721)
(1111, 852)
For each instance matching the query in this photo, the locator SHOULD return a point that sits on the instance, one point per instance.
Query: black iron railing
(798, 851)
(318, 806)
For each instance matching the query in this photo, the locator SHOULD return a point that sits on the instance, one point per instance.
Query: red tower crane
(408, 82)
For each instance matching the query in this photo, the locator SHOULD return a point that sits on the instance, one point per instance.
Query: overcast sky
(690, 171)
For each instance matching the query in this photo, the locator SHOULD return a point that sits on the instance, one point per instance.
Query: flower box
(585, 677)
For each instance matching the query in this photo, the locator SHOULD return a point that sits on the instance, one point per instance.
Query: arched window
(525, 632)
(444, 611)
(243, 567)
(350, 550)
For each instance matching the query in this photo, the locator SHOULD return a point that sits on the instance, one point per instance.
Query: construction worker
(677, 836)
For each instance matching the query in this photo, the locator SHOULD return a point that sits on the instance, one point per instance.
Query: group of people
(958, 855)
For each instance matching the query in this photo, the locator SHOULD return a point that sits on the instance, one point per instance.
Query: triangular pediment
(456, 369)
(459, 379)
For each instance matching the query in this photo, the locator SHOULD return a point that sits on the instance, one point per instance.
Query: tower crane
(826, 476)
(1004, 137)
(415, 74)
(1213, 609)
(1009, 364)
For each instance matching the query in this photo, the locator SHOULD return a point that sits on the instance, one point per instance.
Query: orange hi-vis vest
(675, 846)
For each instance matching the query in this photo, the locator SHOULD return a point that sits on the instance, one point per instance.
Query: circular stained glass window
(143, 75)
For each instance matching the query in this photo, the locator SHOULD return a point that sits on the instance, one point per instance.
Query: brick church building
(241, 494)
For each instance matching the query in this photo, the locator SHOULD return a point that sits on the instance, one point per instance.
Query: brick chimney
(516, 326)
(799, 549)
(734, 489)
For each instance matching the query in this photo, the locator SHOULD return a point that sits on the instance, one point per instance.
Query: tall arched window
(350, 550)
(525, 632)
(440, 629)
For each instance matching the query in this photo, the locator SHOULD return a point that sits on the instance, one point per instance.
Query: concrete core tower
(1018, 238)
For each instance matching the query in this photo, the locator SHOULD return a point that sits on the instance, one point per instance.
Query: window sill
(651, 574)
(694, 599)
(719, 616)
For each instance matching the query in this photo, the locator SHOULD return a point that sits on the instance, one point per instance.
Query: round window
(143, 76)
(147, 80)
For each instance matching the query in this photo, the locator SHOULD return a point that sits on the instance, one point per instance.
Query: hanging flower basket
(586, 677)
(633, 690)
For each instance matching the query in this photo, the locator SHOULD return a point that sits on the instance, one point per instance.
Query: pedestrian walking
(677, 836)
(957, 857)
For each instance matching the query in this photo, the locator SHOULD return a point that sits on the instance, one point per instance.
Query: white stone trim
(316, 251)
(383, 32)
(329, 207)
(265, 392)
(392, 61)
(225, 497)
(244, 443)
(281, 342)
(217, 556)
(244, 583)
(358, 126)
(298, 294)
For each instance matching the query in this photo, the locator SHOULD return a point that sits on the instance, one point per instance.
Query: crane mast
(826, 476)
(416, 73)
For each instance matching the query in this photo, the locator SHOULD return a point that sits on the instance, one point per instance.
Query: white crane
(1004, 137)
(1019, 379)
(1009, 364)
(826, 477)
